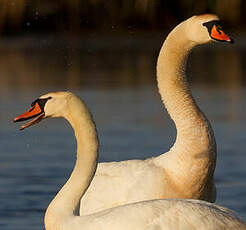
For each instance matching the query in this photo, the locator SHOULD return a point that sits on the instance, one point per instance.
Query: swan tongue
(34, 112)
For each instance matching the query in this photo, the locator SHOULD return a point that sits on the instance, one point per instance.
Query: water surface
(120, 89)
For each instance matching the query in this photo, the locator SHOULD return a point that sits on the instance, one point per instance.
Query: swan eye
(41, 102)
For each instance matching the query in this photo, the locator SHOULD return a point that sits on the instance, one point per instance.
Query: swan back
(168, 214)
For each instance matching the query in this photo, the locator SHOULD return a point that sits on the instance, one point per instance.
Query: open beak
(220, 35)
(34, 112)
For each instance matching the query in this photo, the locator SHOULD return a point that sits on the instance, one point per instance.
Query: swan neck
(66, 202)
(193, 129)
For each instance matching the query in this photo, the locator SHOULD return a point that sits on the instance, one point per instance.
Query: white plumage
(186, 170)
(63, 211)
(168, 214)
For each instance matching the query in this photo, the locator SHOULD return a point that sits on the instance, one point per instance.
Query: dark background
(116, 16)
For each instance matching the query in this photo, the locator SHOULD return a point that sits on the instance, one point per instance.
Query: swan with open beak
(36, 112)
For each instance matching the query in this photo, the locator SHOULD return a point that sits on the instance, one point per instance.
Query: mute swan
(186, 170)
(63, 211)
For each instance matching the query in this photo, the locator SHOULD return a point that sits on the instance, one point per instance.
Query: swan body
(186, 170)
(63, 211)
(167, 214)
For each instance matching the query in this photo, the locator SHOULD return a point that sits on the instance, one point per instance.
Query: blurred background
(106, 51)
(75, 16)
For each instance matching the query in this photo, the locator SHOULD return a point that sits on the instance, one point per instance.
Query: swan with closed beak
(63, 211)
(186, 170)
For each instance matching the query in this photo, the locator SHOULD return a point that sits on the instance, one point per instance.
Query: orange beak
(34, 112)
(219, 35)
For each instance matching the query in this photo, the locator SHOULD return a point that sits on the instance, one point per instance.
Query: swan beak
(34, 112)
(219, 35)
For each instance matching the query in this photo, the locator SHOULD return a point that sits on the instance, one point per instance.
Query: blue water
(130, 118)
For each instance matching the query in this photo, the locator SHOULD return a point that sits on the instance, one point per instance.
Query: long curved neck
(194, 134)
(66, 202)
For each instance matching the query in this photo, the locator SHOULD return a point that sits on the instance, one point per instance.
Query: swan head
(205, 28)
(48, 105)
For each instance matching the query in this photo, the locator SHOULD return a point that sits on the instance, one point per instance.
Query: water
(120, 89)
